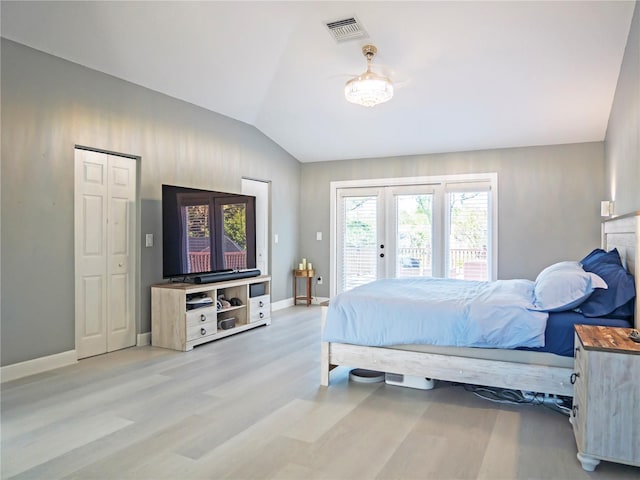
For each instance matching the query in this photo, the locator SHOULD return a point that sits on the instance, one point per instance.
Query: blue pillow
(592, 256)
(617, 300)
(600, 256)
(564, 286)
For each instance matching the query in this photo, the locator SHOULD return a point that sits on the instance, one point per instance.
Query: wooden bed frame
(622, 232)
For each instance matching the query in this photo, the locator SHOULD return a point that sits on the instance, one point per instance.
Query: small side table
(606, 388)
(308, 275)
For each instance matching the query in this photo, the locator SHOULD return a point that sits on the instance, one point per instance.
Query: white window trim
(491, 178)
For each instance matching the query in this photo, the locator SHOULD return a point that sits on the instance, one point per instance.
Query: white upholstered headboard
(623, 232)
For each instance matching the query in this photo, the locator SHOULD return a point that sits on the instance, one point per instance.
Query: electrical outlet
(319, 280)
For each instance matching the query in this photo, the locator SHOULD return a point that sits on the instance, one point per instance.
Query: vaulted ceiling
(469, 75)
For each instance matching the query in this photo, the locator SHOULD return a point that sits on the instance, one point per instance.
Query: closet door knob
(203, 317)
(203, 331)
(574, 377)
(261, 315)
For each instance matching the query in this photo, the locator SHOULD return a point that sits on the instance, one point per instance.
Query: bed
(528, 370)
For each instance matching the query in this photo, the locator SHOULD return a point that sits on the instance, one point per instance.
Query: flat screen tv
(206, 232)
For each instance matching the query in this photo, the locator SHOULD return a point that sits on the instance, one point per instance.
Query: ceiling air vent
(346, 29)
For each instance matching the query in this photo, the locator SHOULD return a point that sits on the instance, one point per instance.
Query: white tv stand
(175, 327)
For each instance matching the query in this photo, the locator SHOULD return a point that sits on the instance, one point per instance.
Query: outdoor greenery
(469, 219)
(415, 221)
(360, 222)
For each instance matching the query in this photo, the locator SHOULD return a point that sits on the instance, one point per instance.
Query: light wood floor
(250, 406)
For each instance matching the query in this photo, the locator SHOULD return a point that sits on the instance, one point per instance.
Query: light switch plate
(148, 240)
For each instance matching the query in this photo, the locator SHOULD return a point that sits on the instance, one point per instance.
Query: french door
(440, 229)
(385, 232)
(361, 239)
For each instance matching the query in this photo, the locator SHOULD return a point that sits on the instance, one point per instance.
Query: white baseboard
(287, 302)
(143, 339)
(37, 365)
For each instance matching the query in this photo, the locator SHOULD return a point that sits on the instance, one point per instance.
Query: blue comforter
(437, 311)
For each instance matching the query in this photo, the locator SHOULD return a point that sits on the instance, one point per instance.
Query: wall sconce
(606, 208)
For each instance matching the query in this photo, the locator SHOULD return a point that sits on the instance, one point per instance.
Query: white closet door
(120, 242)
(91, 253)
(104, 253)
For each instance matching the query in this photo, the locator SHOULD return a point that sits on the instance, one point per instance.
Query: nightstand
(606, 397)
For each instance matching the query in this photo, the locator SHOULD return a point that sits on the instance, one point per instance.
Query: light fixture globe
(368, 89)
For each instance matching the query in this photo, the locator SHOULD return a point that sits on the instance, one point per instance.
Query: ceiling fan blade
(402, 83)
(343, 75)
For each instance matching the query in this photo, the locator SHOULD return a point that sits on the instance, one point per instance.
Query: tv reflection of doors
(225, 275)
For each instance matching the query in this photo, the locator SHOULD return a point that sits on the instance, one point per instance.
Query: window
(467, 235)
(427, 226)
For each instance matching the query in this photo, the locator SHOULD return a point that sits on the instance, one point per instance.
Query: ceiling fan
(369, 88)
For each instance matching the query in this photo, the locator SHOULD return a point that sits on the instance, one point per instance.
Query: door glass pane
(359, 242)
(468, 235)
(414, 215)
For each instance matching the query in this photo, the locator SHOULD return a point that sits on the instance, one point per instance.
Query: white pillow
(564, 286)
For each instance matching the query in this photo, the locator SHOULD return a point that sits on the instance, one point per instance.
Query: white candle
(300, 266)
(309, 266)
(304, 264)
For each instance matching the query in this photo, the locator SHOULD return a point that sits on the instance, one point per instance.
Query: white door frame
(261, 189)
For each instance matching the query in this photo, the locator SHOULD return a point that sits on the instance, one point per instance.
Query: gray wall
(548, 205)
(48, 106)
(548, 196)
(622, 143)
